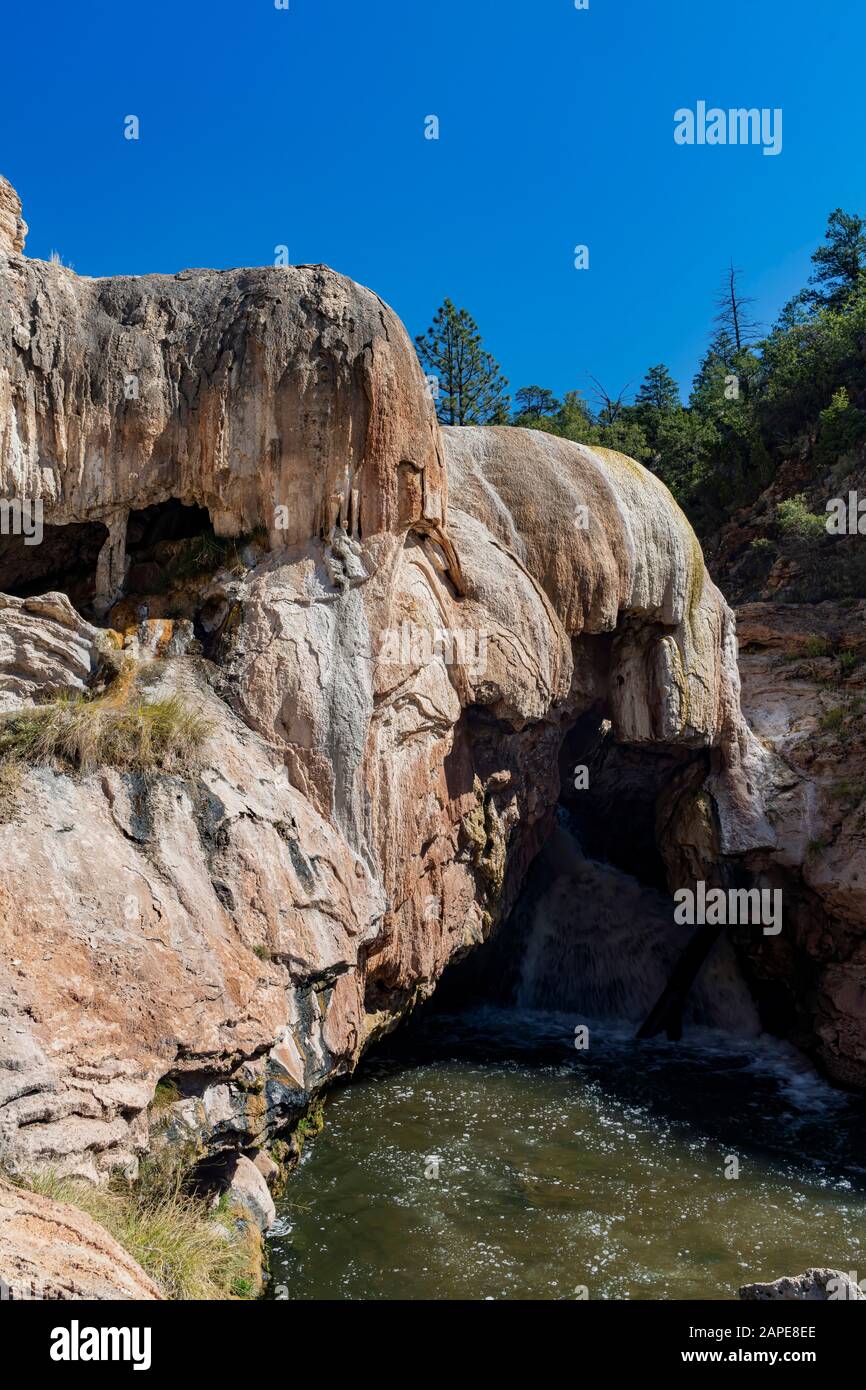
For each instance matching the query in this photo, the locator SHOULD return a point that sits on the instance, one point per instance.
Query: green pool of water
(487, 1159)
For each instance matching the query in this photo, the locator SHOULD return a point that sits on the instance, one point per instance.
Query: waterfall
(602, 945)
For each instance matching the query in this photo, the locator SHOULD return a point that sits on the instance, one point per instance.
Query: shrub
(10, 781)
(840, 428)
(817, 646)
(834, 720)
(795, 520)
(158, 735)
(847, 661)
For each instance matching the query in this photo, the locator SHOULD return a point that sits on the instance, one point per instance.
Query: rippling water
(487, 1158)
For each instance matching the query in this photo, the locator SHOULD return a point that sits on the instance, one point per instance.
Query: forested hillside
(773, 429)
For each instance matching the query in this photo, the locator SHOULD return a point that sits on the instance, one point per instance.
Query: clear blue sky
(305, 127)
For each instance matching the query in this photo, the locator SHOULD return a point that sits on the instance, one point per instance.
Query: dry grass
(10, 783)
(158, 735)
(177, 1239)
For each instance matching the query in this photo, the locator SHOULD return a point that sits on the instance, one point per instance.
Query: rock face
(815, 1285)
(389, 684)
(46, 648)
(244, 391)
(805, 701)
(13, 228)
(53, 1251)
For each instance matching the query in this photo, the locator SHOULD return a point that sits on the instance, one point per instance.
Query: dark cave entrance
(170, 549)
(64, 560)
(166, 544)
(603, 879)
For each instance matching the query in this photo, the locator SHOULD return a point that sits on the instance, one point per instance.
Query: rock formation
(805, 704)
(13, 228)
(54, 1251)
(815, 1285)
(412, 621)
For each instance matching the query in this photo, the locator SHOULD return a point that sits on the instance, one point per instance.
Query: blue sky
(305, 127)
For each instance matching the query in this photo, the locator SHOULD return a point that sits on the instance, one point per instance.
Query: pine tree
(535, 401)
(658, 390)
(472, 389)
(840, 266)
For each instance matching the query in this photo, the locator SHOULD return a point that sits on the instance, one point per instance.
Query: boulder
(814, 1285)
(50, 1250)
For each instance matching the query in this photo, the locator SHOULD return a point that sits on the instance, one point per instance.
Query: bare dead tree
(611, 407)
(733, 319)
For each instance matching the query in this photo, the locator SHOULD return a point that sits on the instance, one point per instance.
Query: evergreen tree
(658, 391)
(840, 266)
(535, 401)
(472, 389)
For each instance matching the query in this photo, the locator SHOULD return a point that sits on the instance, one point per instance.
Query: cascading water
(602, 945)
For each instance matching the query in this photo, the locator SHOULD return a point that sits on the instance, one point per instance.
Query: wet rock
(814, 1285)
(248, 1189)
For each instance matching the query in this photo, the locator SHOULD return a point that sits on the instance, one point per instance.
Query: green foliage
(816, 647)
(840, 265)
(534, 402)
(841, 426)
(658, 394)
(471, 387)
(795, 519)
(848, 660)
(165, 1095)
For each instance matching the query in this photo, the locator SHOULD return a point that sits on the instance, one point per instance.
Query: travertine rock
(49, 1250)
(289, 399)
(46, 648)
(389, 689)
(13, 228)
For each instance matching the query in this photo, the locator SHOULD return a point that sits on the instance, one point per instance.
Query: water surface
(487, 1158)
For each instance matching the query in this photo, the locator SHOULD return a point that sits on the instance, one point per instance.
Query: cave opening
(64, 559)
(164, 555)
(593, 930)
(166, 544)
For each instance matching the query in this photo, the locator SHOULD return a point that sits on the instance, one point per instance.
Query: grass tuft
(175, 1237)
(158, 735)
(10, 785)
